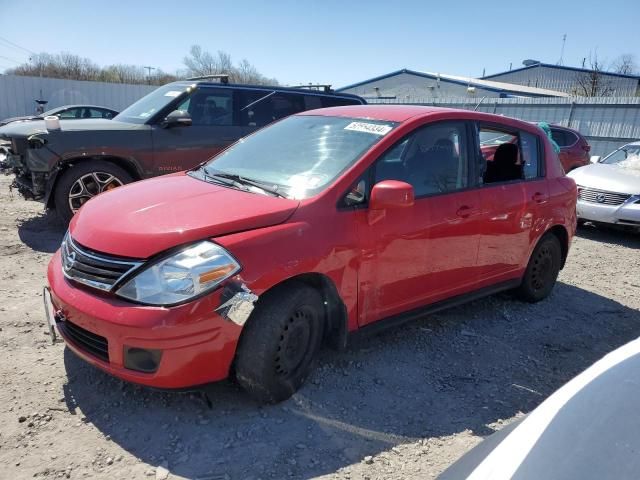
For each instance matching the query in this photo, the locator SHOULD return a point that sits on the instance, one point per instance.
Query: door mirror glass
(177, 118)
(391, 194)
(595, 159)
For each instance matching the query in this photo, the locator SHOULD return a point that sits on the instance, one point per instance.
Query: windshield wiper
(240, 180)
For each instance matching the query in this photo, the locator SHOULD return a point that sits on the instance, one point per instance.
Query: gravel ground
(404, 404)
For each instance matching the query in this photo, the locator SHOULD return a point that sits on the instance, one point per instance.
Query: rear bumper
(197, 344)
(626, 214)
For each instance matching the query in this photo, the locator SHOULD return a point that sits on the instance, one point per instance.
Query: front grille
(94, 269)
(602, 197)
(89, 342)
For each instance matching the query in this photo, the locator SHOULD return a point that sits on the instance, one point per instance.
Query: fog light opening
(142, 359)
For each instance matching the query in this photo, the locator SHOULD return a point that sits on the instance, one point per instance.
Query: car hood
(612, 178)
(17, 119)
(148, 217)
(26, 129)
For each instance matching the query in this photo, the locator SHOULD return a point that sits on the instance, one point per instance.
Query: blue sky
(337, 42)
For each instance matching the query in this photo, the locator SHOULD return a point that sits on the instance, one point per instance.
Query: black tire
(542, 271)
(100, 171)
(280, 342)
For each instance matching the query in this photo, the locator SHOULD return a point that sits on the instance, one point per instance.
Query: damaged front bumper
(193, 344)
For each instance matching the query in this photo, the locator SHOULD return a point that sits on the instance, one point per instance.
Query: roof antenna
(564, 40)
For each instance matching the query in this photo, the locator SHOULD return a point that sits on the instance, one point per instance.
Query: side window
(209, 107)
(499, 150)
(255, 108)
(94, 113)
(338, 102)
(530, 155)
(311, 102)
(71, 113)
(433, 159)
(285, 104)
(560, 137)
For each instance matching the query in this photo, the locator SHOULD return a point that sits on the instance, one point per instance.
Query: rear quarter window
(531, 158)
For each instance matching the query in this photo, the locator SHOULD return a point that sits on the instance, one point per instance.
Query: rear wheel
(84, 181)
(542, 271)
(280, 342)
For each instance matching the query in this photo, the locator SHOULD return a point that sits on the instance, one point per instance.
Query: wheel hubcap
(90, 185)
(542, 271)
(294, 342)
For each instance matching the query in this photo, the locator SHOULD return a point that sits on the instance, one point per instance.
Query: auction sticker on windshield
(368, 128)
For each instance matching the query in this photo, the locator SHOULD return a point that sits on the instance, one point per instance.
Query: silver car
(609, 189)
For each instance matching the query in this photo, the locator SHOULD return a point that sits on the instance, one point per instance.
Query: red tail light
(586, 148)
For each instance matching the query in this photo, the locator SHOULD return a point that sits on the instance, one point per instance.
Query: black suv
(175, 127)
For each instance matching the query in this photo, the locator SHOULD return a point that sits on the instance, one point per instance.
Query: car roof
(402, 113)
(304, 91)
(65, 107)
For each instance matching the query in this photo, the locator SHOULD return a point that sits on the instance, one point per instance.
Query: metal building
(18, 94)
(568, 79)
(410, 86)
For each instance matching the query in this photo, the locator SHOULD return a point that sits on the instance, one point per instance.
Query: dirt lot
(405, 404)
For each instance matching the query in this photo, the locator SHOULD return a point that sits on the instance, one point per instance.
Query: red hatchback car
(322, 224)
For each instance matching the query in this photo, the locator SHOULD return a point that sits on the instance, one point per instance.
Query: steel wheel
(90, 185)
(542, 270)
(294, 341)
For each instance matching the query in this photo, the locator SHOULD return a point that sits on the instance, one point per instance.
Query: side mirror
(595, 159)
(177, 118)
(391, 194)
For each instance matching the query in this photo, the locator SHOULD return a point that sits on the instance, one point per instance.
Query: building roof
(561, 67)
(501, 87)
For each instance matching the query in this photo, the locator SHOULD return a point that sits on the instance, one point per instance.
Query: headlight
(182, 276)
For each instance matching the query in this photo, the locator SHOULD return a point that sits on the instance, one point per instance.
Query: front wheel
(542, 271)
(280, 342)
(84, 181)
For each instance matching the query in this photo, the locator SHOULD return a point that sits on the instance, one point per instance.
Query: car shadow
(623, 237)
(462, 369)
(42, 232)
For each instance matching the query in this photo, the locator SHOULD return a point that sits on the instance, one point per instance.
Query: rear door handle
(465, 211)
(539, 197)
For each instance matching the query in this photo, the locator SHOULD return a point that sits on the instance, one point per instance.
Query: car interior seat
(504, 167)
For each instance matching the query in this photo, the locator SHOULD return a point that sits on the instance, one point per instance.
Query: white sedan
(609, 189)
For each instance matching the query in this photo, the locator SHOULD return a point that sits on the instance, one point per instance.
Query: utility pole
(149, 73)
(564, 40)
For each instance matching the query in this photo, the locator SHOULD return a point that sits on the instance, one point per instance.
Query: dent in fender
(237, 303)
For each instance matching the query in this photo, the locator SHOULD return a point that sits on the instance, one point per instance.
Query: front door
(418, 255)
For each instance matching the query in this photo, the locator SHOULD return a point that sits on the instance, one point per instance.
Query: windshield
(301, 155)
(150, 104)
(628, 152)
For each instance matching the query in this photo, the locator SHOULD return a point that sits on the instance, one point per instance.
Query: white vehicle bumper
(628, 213)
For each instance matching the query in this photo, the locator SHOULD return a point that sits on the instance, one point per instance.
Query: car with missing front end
(174, 128)
(324, 224)
(67, 112)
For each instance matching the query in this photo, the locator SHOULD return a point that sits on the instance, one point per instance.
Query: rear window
(563, 138)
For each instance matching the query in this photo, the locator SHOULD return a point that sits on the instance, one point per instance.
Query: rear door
(214, 127)
(421, 254)
(512, 210)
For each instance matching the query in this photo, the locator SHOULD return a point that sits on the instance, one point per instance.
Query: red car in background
(322, 224)
(574, 148)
